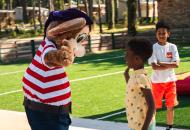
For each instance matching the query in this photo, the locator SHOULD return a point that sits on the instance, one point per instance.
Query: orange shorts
(167, 91)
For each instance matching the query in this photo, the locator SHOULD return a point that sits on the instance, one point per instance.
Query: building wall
(175, 12)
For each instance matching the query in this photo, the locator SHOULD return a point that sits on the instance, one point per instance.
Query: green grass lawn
(98, 96)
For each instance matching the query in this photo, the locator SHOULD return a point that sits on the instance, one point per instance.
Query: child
(139, 99)
(164, 59)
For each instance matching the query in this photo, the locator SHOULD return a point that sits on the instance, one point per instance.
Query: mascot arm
(62, 57)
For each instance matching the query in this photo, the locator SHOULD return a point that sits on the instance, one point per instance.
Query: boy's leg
(171, 101)
(170, 117)
(158, 93)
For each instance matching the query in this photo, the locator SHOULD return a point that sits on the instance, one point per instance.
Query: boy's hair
(162, 24)
(141, 47)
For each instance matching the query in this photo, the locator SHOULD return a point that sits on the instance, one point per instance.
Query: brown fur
(58, 31)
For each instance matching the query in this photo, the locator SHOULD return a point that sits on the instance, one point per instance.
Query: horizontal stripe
(38, 53)
(58, 103)
(50, 100)
(45, 90)
(49, 47)
(47, 84)
(47, 78)
(46, 73)
(41, 66)
(47, 95)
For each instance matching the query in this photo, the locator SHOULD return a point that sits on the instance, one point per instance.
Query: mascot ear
(67, 26)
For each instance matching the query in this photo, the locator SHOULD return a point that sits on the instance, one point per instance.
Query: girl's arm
(126, 75)
(151, 107)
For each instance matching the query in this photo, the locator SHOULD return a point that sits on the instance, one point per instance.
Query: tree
(9, 4)
(99, 16)
(24, 7)
(139, 11)
(116, 10)
(51, 5)
(2, 4)
(34, 16)
(39, 14)
(147, 11)
(113, 13)
(60, 4)
(90, 9)
(85, 6)
(109, 13)
(131, 4)
(154, 12)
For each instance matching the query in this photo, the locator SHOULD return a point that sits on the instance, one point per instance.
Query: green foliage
(2, 4)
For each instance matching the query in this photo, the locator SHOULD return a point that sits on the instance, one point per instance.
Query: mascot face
(76, 31)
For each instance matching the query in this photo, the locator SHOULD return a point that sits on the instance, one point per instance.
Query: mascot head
(71, 24)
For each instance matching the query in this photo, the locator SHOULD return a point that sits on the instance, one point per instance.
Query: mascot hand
(61, 57)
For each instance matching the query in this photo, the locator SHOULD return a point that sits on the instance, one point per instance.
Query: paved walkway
(10, 120)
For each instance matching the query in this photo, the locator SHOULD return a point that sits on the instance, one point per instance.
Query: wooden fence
(20, 50)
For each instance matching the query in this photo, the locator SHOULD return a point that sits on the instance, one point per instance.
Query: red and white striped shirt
(44, 84)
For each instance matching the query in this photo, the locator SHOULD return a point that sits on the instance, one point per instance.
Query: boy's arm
(151, 107)
(174, 64)
(157, 66)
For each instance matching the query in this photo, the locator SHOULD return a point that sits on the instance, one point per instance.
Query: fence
(20, 50)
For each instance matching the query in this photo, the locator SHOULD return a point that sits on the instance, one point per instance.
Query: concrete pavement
(10, 120)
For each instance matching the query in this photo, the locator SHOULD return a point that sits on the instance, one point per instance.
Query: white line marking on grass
(75, 80)
(99, 59)
(1, 94)
(14, 72)
(8, 73)
(114, 114)
(97, 76)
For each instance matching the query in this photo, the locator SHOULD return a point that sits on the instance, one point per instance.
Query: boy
(139, 99)
(164, 59)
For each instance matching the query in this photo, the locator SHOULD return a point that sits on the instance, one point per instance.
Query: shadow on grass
(181, 115)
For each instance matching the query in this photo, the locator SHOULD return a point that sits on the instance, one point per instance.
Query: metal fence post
(33, 48)
(113, 40)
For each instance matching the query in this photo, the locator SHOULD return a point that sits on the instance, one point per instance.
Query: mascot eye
(82, 37)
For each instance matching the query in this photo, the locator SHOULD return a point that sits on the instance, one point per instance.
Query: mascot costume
(47, 92)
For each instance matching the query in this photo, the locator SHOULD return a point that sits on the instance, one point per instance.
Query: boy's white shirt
(160, 54)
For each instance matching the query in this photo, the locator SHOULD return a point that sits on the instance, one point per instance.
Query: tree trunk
(139, 11)
(90, 9)
(85, 6)
(39, 16)
(99, 17)
(34, 16)
(51, 5)
(24, 7)
(9, 4)
(70, 3)
(147, 11)
(78, 4)
(131, 4)
(109, 14)
(113, 13)
(116, 2)
(154, 12)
